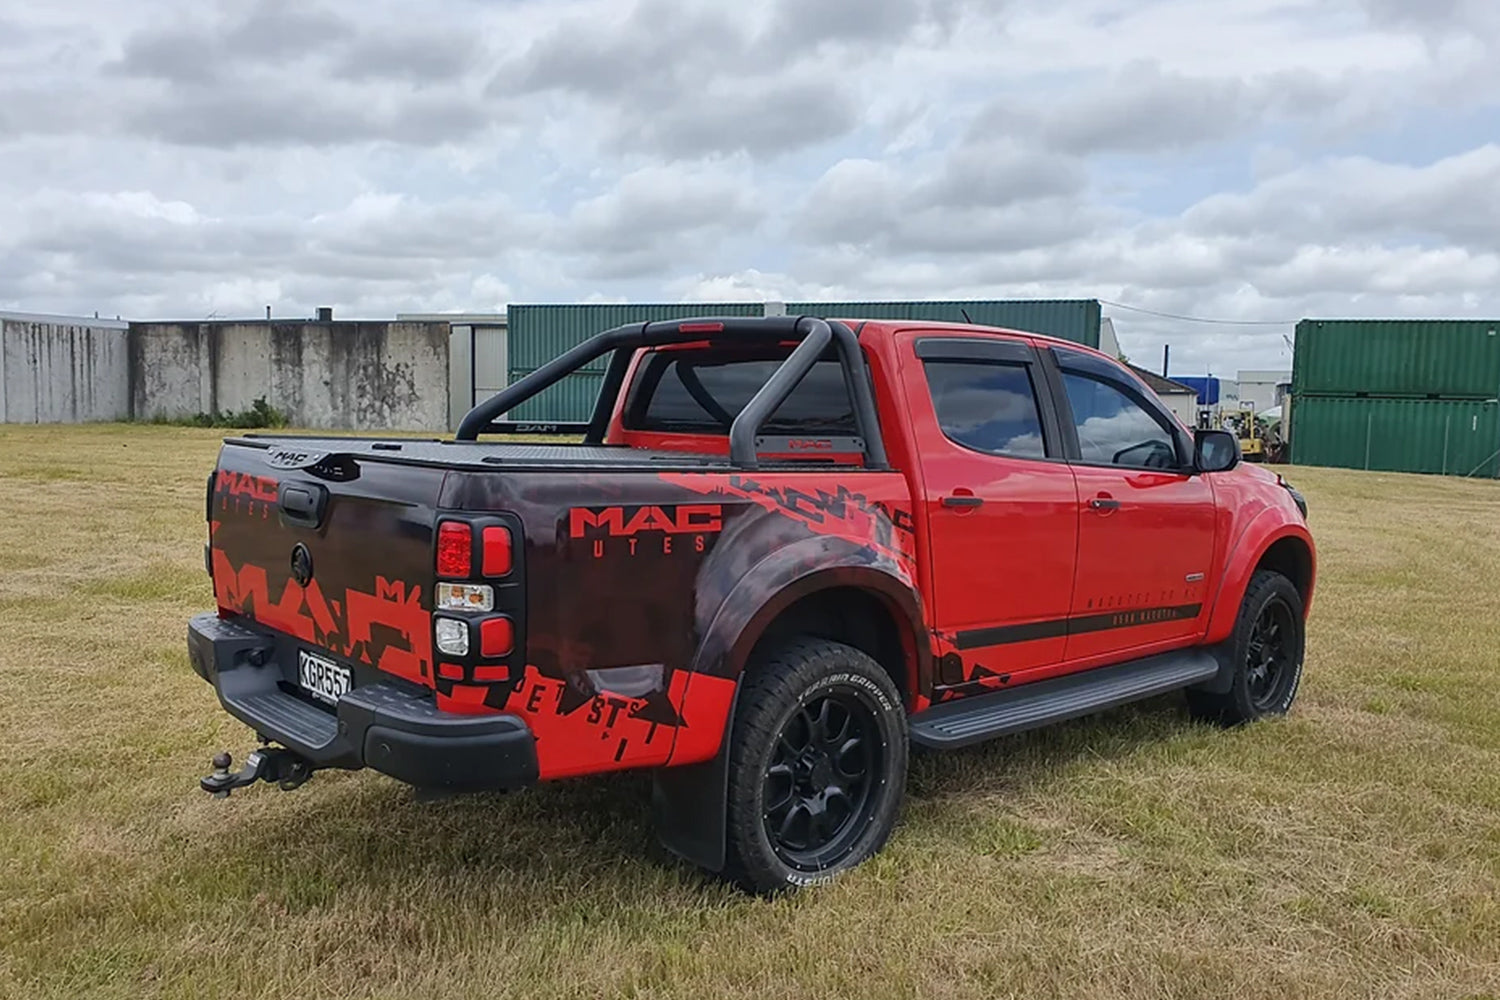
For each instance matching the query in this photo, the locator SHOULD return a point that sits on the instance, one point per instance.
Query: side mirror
(1216, 451)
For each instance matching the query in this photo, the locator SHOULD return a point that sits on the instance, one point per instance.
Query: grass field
(1352, 850)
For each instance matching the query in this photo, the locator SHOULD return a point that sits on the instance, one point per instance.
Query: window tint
(988, 407)
(702, 393)
(1114, 429)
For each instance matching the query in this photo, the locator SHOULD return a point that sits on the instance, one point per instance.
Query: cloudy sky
(1245, 160)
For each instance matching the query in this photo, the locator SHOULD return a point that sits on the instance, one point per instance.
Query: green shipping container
(1444, 358)
(1449, 436)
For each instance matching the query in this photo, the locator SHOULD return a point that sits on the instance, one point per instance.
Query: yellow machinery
(1252, 445)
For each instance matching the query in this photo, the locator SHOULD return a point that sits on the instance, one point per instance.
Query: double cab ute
(784, 550)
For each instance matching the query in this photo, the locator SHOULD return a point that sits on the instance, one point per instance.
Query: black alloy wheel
(818, 785)
(1261, 661)
(1268, 654)
(816, 765)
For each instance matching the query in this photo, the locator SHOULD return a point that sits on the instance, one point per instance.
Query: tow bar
(285, 768)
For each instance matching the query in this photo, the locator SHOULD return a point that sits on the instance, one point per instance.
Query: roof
(94, 321)
(1161, 386)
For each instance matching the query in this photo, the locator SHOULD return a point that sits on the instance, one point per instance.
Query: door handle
(1104, 503)
(960, 500)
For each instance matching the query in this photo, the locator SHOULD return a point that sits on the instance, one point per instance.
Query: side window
(1114, 429)
(987, 406)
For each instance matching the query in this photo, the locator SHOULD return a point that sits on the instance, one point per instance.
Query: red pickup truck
(786, 549)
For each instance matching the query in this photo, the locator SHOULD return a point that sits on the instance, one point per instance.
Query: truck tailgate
(331, 548)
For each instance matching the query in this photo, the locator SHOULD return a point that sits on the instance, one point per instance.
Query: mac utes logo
(636, 529)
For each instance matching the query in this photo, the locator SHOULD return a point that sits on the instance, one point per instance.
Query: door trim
(1003, 635)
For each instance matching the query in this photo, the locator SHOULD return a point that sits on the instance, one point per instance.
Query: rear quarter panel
(643, 590)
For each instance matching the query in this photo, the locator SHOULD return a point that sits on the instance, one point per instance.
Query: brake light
(496, 636)
(701, 328)
(455, 545)
(496, 551)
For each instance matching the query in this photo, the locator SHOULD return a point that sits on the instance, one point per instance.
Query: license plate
(322, 678)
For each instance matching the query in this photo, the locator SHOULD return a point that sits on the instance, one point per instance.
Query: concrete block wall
(59, 369)
(334, 375)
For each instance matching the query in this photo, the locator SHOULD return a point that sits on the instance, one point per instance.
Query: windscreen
(701, 392)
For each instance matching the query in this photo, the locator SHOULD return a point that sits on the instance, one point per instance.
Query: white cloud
(1245, 159)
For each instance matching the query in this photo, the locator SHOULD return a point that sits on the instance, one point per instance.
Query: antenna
(965, 314)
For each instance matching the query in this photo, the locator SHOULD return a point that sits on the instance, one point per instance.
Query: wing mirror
(1215, 451)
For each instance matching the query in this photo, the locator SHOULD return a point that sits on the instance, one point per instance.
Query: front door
(999, 502)
(1146, 525)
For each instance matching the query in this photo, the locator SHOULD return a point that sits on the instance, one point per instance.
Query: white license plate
(322, 678)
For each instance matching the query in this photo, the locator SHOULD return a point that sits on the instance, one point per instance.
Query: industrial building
(538, 333)
(1397, 395)
(1181, 399)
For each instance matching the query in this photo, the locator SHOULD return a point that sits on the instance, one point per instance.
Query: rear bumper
(390, 727)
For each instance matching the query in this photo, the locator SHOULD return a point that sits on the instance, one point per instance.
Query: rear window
(701, 392)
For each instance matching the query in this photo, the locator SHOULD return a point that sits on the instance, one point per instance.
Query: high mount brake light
(455, 545)
(701, 328)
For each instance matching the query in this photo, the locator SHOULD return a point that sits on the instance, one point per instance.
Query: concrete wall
(59, 369)
(331, 375)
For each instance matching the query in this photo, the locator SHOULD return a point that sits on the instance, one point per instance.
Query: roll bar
(813, 334)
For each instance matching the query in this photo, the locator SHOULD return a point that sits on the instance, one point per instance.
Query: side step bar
(976, 718)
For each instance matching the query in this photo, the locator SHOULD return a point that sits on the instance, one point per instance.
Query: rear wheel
(1266, 652)
(817, 765)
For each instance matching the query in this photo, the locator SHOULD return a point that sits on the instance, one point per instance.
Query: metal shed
(538, 333)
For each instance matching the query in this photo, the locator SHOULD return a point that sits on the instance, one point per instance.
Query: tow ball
(283, 767)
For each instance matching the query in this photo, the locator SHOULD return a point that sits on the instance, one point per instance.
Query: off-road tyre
(812, 716)
(1264, 654)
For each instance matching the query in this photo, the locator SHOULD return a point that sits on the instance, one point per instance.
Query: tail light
(496, 554)
(455, 547)
(496, 637)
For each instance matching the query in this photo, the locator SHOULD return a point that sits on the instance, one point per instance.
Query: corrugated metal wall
(1070, 319)
(1448, 436)
(539, 333)
(1444, 358)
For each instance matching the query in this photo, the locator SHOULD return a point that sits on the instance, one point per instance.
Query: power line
(1199, 319)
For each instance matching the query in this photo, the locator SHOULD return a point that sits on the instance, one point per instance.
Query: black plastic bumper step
(291, 717)
(1029, 706)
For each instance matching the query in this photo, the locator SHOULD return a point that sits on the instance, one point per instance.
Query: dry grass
(1351, 851)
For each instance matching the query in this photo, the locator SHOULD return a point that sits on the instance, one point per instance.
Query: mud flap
(689, 804)
(1223, 655)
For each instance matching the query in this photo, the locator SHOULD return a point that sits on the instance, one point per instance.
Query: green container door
(1447, 436)
(1445, 358)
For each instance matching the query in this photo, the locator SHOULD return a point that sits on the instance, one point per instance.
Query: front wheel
(1265, 651)
(817, 765)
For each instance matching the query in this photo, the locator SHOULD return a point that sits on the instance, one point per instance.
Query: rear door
(999, 503)
(332, 550)
(1146, 524)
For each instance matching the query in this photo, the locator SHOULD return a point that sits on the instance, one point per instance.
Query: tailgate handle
(303, 503)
